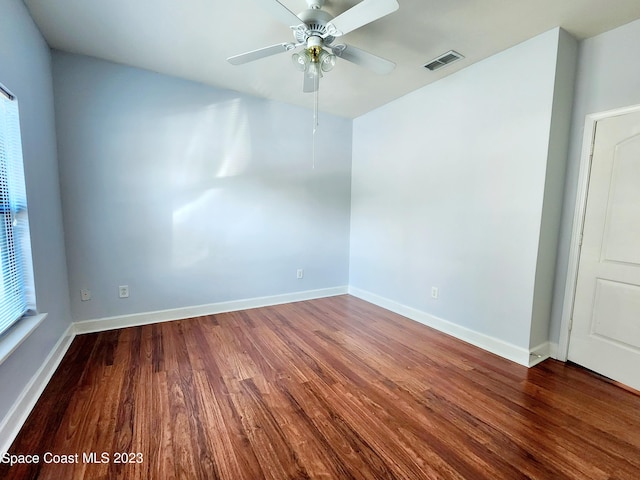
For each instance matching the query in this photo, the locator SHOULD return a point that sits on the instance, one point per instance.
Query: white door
(605, 334)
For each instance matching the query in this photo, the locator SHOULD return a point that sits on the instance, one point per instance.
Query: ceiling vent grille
(443, 60)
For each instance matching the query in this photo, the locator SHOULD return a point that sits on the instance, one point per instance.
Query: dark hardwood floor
(333, 388)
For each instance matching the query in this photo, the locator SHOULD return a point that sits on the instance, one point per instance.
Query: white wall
(608, 77)
(193, 195)
(448, 188)
(25, 68)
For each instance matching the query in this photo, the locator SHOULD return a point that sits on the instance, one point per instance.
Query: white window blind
(17, 296)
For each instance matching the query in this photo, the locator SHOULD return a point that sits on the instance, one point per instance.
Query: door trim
(578, 223)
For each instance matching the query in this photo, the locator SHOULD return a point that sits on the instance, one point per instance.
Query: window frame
(15, 223)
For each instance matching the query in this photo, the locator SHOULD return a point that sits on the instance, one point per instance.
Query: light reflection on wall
(217, 147)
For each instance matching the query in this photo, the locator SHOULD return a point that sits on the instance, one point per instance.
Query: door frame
(584, 172)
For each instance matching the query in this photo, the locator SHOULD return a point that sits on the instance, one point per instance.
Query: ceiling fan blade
(260, 53)
(280, 12)
(376, 64)
(364, 12)
(311, 81)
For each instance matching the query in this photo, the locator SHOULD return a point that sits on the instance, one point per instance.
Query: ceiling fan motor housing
(315, 21)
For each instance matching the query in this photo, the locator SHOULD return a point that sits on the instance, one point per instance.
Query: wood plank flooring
(333, 388)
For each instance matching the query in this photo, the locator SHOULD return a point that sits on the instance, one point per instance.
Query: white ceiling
(193, 38)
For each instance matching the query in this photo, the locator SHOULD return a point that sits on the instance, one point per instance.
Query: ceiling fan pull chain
(315, 126)
(313, 153)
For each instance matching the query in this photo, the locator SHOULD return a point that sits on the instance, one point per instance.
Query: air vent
(444, 59)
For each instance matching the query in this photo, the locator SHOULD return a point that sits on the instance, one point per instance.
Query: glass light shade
(301, 60)
(327, 60)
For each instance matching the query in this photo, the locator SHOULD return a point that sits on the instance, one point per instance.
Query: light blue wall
(193, 195)
(448, 191)
(607, 79)
(543, 300)
(25, 68)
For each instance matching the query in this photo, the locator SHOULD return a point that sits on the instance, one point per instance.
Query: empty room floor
(334, 388)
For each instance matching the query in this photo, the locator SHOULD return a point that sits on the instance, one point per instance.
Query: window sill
(17, 334)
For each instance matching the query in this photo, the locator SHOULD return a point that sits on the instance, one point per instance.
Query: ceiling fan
(317, 30)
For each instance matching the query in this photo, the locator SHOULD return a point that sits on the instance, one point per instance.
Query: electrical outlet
(434, 292)
(300, 274)
(123, 291)
(85, 295)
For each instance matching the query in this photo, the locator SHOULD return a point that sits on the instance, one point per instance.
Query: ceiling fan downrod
(315, 4)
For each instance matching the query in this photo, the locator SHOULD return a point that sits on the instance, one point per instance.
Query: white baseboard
(134, 320)
(491, 344)
(17, 415)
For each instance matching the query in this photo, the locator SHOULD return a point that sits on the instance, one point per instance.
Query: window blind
(16, 284)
